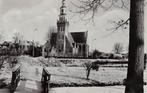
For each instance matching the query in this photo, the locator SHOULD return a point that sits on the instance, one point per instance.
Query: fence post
(15, 80)
(145, 61)
(45, 80)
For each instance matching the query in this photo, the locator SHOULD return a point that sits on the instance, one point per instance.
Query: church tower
(62, 30)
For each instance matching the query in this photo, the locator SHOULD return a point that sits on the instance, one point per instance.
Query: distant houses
(25, 48)
(9, 48)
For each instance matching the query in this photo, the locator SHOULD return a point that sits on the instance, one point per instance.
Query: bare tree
(88, 67)
(51, 30)
(50, 39)
(136, 36)
(118, 48)
(18, 42)
(88, 8)
(17, 38)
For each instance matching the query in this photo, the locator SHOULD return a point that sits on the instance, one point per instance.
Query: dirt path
(30, 80)
(30, 72)
(113, 89)
(26, 87)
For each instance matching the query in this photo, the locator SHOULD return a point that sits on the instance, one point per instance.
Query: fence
(45, 80)
(15, 80)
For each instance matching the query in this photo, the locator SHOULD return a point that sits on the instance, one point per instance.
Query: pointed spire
(63, 2)
(62, 15)
(62, 8)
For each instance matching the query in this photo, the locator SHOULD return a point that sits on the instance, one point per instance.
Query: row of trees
(101, 55)
(19, 46)
(117, 53)
(13, 49)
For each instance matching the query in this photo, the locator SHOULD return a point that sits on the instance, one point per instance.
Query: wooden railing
(15, 80)
(45, 80)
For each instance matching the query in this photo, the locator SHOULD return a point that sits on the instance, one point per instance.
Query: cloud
(25, 19)
(10, 4)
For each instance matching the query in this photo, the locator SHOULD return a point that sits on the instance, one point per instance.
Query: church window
(73, 44)
(59, 50)
(62, 11)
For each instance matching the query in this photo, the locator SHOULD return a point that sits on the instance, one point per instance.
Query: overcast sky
(24, 16)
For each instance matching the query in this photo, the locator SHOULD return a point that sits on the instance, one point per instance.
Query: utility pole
(34, 43)
(33, 48)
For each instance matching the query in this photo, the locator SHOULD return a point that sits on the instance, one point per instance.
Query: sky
(25, 16)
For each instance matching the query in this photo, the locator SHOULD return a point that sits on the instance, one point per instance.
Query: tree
(18, 43)
(88, 67)
(96, 53)
(51, 40)
(17, 38)
(51, 30)
(118, 48)
(136, 48)
(136, 38)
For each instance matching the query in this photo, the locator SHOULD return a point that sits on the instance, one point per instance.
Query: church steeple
(62, 14)
(62, 28)
(62, 8)
(62, 22)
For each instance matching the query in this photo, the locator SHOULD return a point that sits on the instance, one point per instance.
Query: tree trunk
(88, 73)
(134, 82)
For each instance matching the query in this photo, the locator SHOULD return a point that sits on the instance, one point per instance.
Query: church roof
(79, 37)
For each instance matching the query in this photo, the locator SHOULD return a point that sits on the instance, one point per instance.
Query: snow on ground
(5, 75)
(31, 69)
(5, 72)
(88, 90)
(108, 89)
(61, 74)
(78, 75)
(31, 72)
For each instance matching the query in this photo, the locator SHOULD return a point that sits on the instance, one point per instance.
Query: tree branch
(89, 8)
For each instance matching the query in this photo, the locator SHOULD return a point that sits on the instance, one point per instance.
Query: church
(64, 43)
